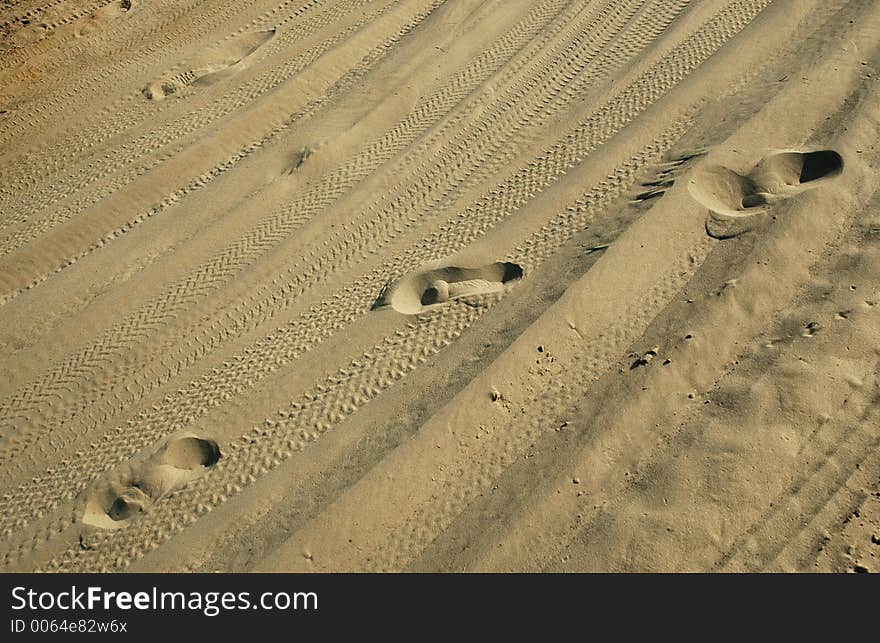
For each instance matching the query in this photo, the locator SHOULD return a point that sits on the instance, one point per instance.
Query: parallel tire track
(118, 167)
(48, 96)
(279, 227)
(331, 401)
(676, 65)
(438, 245)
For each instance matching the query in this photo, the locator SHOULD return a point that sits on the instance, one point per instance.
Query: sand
(426, 285)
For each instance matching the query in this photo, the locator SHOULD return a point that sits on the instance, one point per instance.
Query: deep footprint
(436, 286)
(780, 172)
(114, 501)
(735, 200)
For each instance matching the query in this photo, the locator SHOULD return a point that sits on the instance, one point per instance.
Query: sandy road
(200, 203)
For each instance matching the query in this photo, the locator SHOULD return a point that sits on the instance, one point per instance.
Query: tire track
(536, 26)
(330, 402)
(103, 176)
(317, 268)
(54, 15)
(48, 96)
(420, 528)
(322, 320)
(341, 179)
(480, 218)
(792, 513)
(132, 108)
(829, 460)
(27, 276)
(633, 99)
(38, 61)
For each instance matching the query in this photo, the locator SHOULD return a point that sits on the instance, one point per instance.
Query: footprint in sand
(435, 286)
(132, 491)
(96, 21)
(28, 34)
(735, 201)
(212, 65)
(53, 21)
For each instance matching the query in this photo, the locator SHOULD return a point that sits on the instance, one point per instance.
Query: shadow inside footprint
(734, 200)
(794, 169)
(191, 453)
(435, 286)
(118, 499)
(130, 502)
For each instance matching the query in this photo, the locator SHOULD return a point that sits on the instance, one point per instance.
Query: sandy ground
(483, 285)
